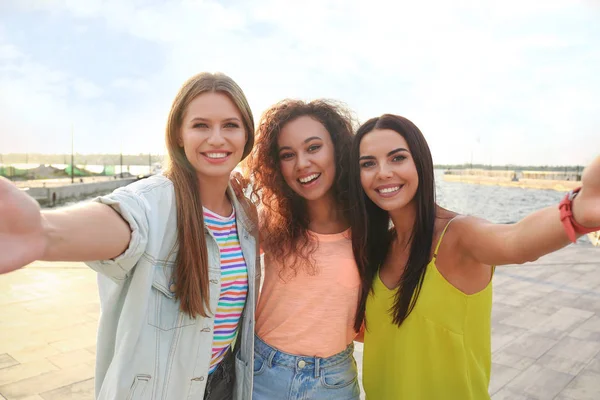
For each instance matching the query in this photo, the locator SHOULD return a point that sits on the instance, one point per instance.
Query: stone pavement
(545, 334)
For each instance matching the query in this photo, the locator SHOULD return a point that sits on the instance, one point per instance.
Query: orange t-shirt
(311, 314)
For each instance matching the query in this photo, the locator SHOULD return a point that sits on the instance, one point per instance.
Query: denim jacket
(147, 348)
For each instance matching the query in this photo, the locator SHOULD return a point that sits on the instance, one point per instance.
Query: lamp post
(72, 156)
(121, 170)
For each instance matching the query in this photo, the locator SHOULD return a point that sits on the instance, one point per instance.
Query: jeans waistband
(274, 356)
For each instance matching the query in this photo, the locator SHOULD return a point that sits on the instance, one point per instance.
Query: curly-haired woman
(305, 316)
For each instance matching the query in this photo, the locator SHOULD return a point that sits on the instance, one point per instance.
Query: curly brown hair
(283, 214)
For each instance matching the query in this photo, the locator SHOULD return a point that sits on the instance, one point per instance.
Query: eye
(286, 156)
(313, 147)
(367, 164)
(231, 125)
(200, 125)
(398, 158)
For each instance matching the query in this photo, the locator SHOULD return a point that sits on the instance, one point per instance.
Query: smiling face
(306, 157)
(213, 135)
(387, 170)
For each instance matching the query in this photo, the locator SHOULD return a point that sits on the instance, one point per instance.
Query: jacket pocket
(242, 389)
(139, 387)
(163, 310)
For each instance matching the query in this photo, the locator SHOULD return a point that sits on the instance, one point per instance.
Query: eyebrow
(398, 150)
(209, 120)
(305, 141)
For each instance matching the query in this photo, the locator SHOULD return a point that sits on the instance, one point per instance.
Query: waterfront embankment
(552, 180)
(52, 193)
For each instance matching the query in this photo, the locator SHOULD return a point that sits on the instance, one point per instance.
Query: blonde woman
(177, 276)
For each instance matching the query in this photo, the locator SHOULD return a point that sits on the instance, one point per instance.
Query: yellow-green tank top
(441, 351)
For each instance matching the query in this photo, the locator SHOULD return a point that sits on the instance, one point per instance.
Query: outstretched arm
(537, 234)
(89, 232)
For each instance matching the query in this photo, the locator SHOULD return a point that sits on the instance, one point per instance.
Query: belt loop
(317, 367)
(270, 358)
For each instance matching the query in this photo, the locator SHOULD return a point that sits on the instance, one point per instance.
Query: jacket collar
(241, 210)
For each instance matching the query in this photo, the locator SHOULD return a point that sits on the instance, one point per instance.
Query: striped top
(234, 284)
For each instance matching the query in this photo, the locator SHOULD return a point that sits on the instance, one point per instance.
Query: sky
(493, 82)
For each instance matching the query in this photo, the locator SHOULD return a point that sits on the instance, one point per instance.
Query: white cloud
(86, 89)
(9, 53)
(131, 84)
(460, 70)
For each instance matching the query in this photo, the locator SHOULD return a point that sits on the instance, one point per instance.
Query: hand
(238, 183)
(586, 207)
(22, 238)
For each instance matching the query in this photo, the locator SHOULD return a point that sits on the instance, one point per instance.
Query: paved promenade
(545, 339)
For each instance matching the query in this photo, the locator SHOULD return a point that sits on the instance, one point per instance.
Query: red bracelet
(571, 226)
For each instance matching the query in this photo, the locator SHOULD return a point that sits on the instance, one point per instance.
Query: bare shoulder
(467, 224)
(461, 228)
(442, 219)
(453, 261)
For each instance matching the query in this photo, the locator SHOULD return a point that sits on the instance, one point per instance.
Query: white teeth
(390, 189)
(309, 178)
(216, 155)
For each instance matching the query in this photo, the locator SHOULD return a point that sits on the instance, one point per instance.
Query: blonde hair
(191, 270)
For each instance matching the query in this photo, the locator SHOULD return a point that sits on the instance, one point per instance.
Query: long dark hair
(371, 231)
(284, 217)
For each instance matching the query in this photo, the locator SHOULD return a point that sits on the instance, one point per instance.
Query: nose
(384, 172)
(216, 138)
(302, 162)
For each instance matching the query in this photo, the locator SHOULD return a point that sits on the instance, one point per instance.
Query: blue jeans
(283, 376)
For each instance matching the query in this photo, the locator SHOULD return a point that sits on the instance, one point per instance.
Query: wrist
(574, 222)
